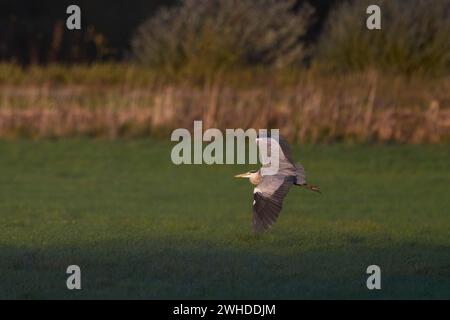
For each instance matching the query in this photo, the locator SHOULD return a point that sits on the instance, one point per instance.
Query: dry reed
(360, 108)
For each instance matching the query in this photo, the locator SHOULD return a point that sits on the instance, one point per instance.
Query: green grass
(140, 227)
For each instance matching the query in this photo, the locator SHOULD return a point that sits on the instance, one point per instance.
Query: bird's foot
(313, 188)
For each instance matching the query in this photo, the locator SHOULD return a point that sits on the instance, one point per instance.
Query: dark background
(34, 31)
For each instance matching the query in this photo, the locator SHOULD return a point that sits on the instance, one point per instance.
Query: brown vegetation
(307, 107)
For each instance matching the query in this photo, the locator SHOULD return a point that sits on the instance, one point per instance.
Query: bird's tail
(300, 179)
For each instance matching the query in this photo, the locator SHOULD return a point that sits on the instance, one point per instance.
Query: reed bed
(366, 107)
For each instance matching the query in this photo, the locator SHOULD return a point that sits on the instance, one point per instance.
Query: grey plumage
(268, 200)
(270, 190)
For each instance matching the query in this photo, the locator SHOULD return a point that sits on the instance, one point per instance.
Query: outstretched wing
(268, 200)
(286, 164)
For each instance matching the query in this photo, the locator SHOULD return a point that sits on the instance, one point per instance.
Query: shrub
(414, 37)
(210, 35)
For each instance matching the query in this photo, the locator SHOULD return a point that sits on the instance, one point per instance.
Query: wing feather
(268, 200)
(286, 164)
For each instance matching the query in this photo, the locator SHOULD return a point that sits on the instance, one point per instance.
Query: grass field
(140, 227)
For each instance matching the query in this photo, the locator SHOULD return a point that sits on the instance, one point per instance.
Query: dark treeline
(34, 32)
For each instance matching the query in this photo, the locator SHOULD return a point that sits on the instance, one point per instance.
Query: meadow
(141, 227)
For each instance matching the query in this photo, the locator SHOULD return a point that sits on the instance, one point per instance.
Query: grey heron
(270, 190)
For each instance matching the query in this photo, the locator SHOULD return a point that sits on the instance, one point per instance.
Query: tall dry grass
(307, 107)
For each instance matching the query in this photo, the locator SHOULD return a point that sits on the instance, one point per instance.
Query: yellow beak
(243, 175)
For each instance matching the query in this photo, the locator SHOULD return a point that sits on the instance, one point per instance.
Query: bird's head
(246, 175)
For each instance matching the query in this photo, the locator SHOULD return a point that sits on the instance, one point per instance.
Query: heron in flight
(270, 190)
